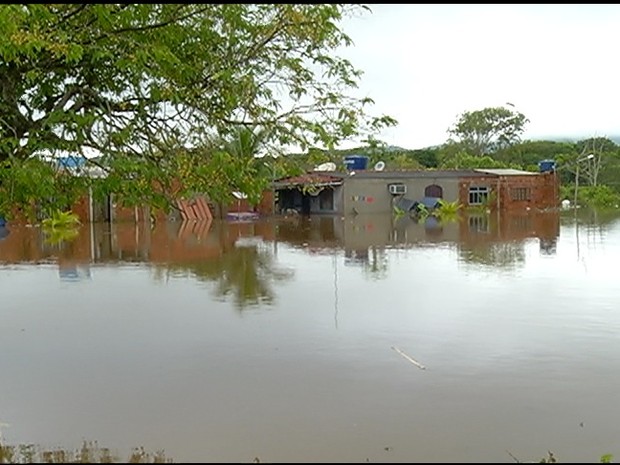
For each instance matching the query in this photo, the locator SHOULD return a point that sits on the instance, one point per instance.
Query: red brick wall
(543, 191)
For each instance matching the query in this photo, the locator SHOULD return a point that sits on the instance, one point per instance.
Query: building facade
(380, 191)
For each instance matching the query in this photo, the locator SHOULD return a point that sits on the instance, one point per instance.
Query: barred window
(478, 195)
(521, 193)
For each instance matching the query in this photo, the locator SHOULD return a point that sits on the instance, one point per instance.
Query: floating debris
(418, 364)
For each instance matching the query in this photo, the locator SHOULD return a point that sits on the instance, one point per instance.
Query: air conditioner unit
(397, 189)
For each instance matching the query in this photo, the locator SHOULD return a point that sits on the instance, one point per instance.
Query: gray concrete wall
(363, 195)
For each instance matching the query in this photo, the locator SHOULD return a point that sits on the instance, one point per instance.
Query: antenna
(380, 166)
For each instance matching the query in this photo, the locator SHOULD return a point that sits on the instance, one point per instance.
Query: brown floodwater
(366, 338)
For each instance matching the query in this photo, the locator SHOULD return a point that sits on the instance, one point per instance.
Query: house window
(521, 193)
(433, 191)
(478, 195)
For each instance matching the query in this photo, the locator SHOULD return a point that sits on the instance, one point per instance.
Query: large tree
(137, 84)
(481, 132)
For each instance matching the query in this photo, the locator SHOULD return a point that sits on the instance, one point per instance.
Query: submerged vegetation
(89, 452)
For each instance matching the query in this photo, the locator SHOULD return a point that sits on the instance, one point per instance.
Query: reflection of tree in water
(90, 452)
(500, 254)
(245, 272)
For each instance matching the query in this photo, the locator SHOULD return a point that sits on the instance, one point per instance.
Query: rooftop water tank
(546, 166)
(356, 162)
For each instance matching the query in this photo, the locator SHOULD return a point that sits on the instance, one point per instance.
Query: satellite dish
(329, 166)
(380, 166)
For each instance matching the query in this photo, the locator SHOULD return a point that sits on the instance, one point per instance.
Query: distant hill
(364, 150)
(614, 138)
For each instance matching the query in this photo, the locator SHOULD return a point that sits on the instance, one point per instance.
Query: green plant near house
(60, 219)
(447, 211)
(422, 211)
(448, 208)
(61, 226)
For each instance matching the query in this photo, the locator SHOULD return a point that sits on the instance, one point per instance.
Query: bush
(592, 196)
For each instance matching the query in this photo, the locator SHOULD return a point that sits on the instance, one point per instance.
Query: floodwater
(489, 339)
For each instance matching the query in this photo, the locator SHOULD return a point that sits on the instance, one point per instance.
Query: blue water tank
(356, 162)
(546, 166)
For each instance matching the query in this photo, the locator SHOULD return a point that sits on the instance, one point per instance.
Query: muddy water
(326, 340)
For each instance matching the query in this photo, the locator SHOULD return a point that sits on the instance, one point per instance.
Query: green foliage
(61, 219)
(596, 145)
(61, 227)
(483, 131)
(133, 82)
(465, 161)
(530, 153)
(422, 211)
(427, 157)
(36, 186)
(448, 209)
(598, 196)
(606, 458)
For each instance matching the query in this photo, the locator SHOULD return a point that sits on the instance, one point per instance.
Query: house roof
(315, 178)
(408, 174)
(505, 172)
(336, 178)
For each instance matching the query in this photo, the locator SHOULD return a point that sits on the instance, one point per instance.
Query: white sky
(426, 64)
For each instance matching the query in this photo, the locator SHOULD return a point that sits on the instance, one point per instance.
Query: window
(521, 193)
(478, 195)
(433, 191)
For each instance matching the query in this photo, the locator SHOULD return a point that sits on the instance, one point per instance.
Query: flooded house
(360, 190)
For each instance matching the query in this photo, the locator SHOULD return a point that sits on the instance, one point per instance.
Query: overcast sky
(426, 64)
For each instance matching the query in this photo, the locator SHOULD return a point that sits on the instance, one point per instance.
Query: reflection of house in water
(483, 230)
(362, 239)
(360, 236)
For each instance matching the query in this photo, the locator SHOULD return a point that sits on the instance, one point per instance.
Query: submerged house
(378, 191)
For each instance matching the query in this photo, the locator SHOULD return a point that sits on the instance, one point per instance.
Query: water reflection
(240, 257)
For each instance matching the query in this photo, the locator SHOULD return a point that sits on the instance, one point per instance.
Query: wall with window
(537, 191)
(512, 192)
(480, 191)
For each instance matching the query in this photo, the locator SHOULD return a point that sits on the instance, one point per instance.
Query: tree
(482, 131)
(137, 83)
(603, 150)
(531, 152)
